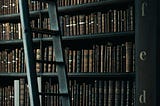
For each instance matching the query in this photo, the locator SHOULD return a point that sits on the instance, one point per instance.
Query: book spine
(111, 93)
(117, 93)
(22, 92)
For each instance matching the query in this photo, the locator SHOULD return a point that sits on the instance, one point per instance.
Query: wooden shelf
(75, 41)
(92, 75)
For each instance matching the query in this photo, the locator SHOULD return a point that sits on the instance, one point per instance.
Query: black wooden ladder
(29, 54)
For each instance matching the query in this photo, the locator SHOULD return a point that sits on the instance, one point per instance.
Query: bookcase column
(147, 40)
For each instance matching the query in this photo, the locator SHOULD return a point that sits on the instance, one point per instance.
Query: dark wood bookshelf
(100, 65)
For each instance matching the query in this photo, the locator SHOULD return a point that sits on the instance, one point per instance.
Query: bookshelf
(99, 44)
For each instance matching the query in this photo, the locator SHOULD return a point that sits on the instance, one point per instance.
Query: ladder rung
(52, 94)
(50, 62)
(45, 31)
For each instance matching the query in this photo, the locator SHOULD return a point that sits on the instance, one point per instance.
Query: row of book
(98, 22)
(11, 31)
(102, 58)
(107, 57)
(7, 96)
(92, 23)
(12, 6)
(89, 93)
(8, 6)
(75, 2)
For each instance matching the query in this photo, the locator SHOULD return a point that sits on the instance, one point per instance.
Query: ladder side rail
(29, 54)
(58, 52)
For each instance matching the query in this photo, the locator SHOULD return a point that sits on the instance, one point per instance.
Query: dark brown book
(84, 94)
(22, 61)
(1, 66)
(91, 23)
(77, 94)
(79, 61)
(106, 88)
(93, 94)
(123, 93)
(91, 60)
(74, 67)
(96, 99)
(118, 58)
(82, 24)
(129, 56)
(71, 26)
(17, 59)
(74, 24)
(87, 23)
(111, 93)
(86, 60)
(123, 57)
(109, 58)
(90, 93)
(9, 59)
(81, 89)
(103, 25)
(70, 61)
(67, 25)
(117, 93)
(111, 20)
(99, 22)
(101, 92)
(115, 20)
(22, 91)
(95, 23)
(103, 58)
(113, 58)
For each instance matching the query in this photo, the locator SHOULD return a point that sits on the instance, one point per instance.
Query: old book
(91, 60)
(123, 57)
(74, 61)
(123, 92)
(106, 88)
(79, 61)
(111, 93)
(129, 56)
(96, 99)
(118, 93)
(101, 92)
(22, 92)
(82, 24)
(118, 58)
(86, 60)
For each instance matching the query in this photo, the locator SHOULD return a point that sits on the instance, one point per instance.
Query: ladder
(34, 94)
